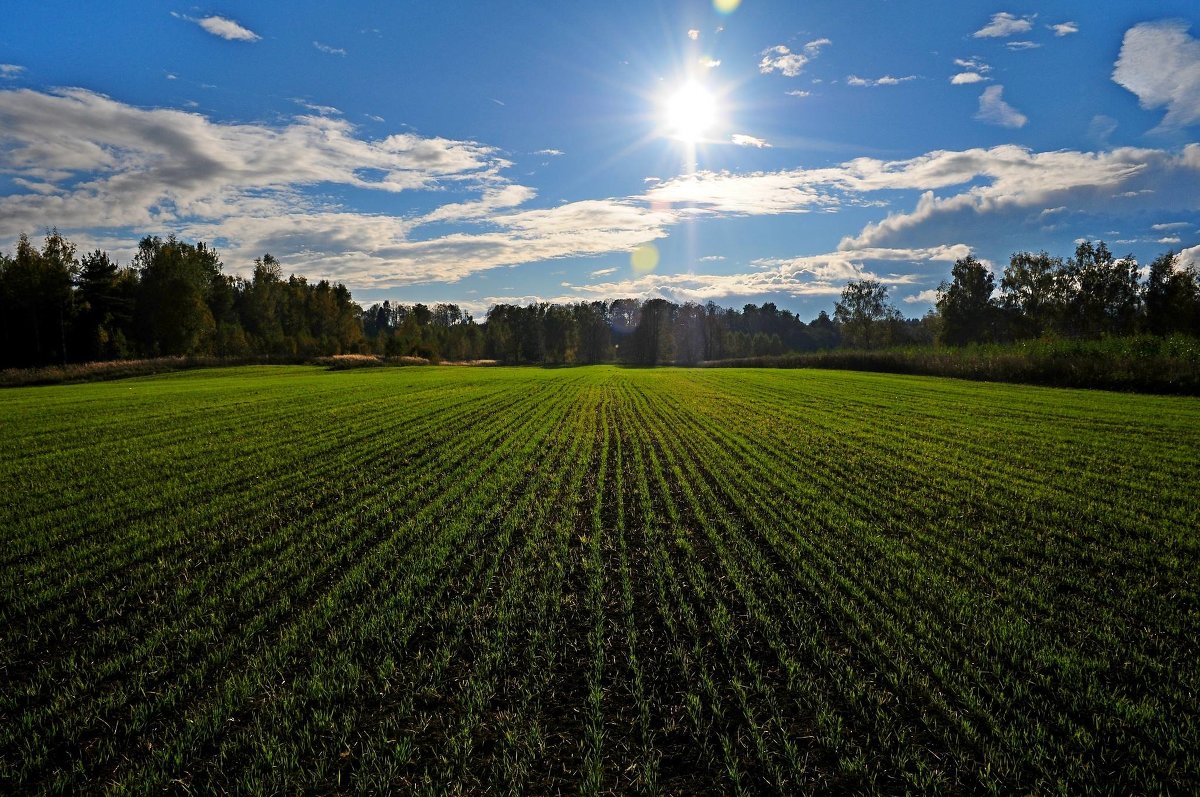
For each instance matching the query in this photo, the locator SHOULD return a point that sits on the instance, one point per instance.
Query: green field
(596, 580)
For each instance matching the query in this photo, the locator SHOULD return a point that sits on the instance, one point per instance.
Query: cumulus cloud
(1016, 180)
(329, 49)
(1064, 28)
(102, 164)
(10, 71)
(1188, 258)
(995, 111)
(928, 296)
(1004, 24)
(780, 58)
(886, 80)
(964, 78)
(1160, 63)
(223, 27)
(743, 140)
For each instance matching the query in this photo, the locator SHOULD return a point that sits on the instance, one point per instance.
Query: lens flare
(726, 6)
(644, 259)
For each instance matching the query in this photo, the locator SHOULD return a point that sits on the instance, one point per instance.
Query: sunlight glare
(690, 112)
(726, 6)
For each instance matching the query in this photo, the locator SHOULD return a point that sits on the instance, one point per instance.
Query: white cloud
(118, 166)
(1004, 24)
(1160, 63)
(224, 28)
(928, 296)
(329, 49)
(964, 78)
(1064, 28)
(995, 111)
(780, 58)
(550, 152)
(1113, 183)
(759, 193)
(709, 63)
(1022, 45)
(1169, 239)
(743, 140)
(711, 258)
(10, 71)
(973, 65)
(323, 110)
(95, 165)
(604, 272)
(799, 93)
(1171, 225)
(693, 34)
(1188, 258)
(887, 79)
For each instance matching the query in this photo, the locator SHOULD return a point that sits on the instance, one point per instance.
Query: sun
(690, 112)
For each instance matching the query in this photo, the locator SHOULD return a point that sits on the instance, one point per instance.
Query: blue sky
(482, 152)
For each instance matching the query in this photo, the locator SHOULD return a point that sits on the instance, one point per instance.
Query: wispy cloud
(709, 63)
(973, 65)
(798, 93)
(1160, 63)
(1064, 28)
(10, 71)
(328, 49)
(1022, 45)
(324, 110)
(604, 272)
(995, 111)
(886, 80)
(1004, 24)
(781, 59)
(551, 152)
(1171, 225)
(743, 140)
(223, 27)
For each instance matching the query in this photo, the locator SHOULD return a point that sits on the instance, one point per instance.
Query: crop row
(600, 580)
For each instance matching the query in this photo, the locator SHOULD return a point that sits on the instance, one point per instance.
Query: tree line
(1090, 295)
(174, 299)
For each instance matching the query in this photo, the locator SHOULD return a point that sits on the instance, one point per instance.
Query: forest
(58, 307)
